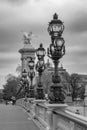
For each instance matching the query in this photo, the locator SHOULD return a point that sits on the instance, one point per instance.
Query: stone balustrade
(65, 120)
(54, 116)
(41, 114)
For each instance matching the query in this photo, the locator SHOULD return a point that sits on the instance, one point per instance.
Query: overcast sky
(33, 15)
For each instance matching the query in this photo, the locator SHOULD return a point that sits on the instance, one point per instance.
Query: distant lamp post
(31, 64)
(24, 74)
(24, 85)
(55, 51)
(25, 82)
(40, 52)
(31, 75)
(40, 67)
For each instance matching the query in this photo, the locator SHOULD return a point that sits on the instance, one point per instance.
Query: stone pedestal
(56, 106)
(85, 100)
(36, 107)
(39, 101)
(27, 52)
(31, 99)
(50, 119)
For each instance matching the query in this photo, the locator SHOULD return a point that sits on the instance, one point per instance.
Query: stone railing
(65, 120)
(54, 116)
(41, 114)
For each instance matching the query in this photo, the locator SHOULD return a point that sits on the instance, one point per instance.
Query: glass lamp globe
(24, 73)
(60, 42)
(56, 26)
(31, 64)
(40, 52)
(41, 62)
(52, 48)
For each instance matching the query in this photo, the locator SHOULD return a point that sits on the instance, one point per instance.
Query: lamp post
(25, 83)
(40, 67)
(31, 75)
(56, 51)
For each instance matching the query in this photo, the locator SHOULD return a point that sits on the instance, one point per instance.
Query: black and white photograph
(43, 66)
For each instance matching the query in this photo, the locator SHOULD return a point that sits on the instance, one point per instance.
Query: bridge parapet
(54, 117)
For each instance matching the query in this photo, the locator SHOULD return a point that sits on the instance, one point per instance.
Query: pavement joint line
(29, 118)
(38, 124)
(14, 122)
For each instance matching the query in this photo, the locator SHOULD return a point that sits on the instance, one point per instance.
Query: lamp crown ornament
(41, 45)
(55, 27)
(55, 16)
(24, 73)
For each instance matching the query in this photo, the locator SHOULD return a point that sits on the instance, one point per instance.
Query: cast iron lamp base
(31, 91)
(56, 94)
(40, 92)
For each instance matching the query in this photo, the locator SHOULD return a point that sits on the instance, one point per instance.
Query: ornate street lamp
(40, 67)
(24, 83)
(55, 51)
(55, 27)
(31, 75)
(40, 52)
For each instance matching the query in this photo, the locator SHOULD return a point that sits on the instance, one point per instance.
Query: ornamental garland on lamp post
(24, 84)
(56, 51)
(31, 75)
(40, 67)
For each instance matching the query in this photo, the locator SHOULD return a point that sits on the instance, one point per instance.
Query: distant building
(1, 94)
(50, 68)
(1, 90)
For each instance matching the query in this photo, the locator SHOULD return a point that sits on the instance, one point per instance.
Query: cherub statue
(27, 37)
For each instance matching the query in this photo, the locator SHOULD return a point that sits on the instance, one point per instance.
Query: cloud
(7, 60)
(8, 55)
(15, 2)
(34, 15)
(79, 23)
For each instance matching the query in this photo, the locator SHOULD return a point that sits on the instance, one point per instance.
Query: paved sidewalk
(15, 118)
